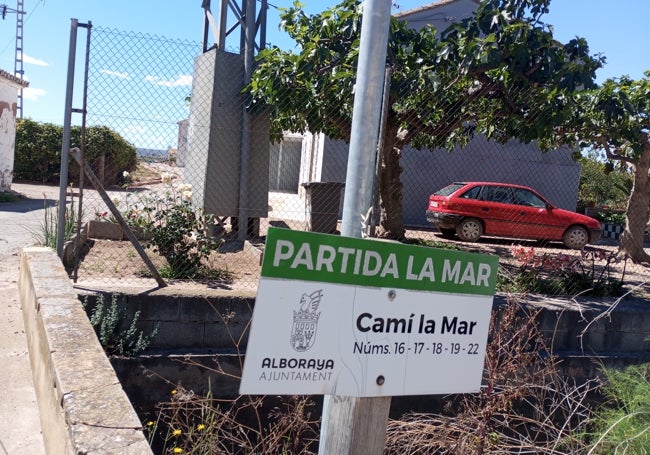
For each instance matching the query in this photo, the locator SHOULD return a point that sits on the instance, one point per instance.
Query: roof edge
(428, 7)
(15, 79)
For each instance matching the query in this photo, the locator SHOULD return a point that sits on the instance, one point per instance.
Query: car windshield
(449, 189)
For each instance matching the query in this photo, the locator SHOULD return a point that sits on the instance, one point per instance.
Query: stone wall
(82, 405)
(201, 336)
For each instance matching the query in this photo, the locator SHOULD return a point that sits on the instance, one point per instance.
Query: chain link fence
(201, 194)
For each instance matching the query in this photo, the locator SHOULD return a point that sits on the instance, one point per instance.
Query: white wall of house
(440, 14)
(9, 87)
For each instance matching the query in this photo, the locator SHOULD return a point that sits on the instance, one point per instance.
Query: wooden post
(357, 425)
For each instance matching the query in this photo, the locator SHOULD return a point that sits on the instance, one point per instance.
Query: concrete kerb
(82, 405)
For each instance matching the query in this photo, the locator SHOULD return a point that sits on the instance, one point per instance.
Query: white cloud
(183, 80)
(34, 61)
(116, 74)
(33, 94)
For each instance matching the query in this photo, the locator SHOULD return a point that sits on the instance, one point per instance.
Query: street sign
(355, 317)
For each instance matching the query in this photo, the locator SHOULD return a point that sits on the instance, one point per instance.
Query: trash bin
(322, 205)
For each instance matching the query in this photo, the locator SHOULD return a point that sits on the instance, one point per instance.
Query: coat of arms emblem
(305, 321)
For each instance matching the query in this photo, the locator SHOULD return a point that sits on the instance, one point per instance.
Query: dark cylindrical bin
(323, 202)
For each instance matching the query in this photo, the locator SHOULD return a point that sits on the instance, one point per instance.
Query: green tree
(499, 73)
(603, 183)
(615, 118)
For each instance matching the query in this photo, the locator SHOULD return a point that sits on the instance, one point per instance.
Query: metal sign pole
(358, 425)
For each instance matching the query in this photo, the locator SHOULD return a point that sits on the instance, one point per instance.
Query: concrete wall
(214, 145)
(181, 149)
(82, 405)
(202, 339)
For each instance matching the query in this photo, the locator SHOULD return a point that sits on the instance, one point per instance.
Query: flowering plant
(559, 273)
(180, 232)
(101, 216)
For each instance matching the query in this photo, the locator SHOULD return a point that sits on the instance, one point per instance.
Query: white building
(9, 87)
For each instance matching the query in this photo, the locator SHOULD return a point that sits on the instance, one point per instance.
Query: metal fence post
(65, 145)
(358, 425)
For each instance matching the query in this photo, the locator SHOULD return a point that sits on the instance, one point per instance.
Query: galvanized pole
(65, 145)
(248, 33)
(358, 425)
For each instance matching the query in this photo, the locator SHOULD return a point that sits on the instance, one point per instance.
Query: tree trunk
(637, 211)
(391, 225)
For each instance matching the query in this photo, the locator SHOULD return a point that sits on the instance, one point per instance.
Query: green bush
(602, 183)
(182, 234)
(611, 217)
(621, 424)
(120, 155)
(117, 334)
(38, 152)
(38, 149)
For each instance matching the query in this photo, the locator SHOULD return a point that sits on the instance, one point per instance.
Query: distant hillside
(151, 154)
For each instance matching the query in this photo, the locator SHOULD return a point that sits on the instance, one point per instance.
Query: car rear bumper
(443, 220)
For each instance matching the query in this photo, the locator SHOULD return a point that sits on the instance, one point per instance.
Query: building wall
(8, 94)
(439, 15)
(554, 174)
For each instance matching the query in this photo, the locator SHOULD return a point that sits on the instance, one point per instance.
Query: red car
(473, 209)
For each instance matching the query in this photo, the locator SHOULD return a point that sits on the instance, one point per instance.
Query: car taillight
(447, 204)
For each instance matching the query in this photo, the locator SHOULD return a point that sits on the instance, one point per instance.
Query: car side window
(527, 198)
(472, 193)
(499, 194)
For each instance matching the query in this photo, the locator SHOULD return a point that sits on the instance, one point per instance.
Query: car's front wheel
(576, 237)
(469, 230)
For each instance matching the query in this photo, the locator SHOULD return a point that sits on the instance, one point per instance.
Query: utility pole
(18, 64)
(18, 61)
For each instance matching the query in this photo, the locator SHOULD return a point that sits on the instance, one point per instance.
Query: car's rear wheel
(447, 232)
(469, 230)
(576, 237)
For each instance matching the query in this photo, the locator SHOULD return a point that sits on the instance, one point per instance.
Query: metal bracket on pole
(76, 154)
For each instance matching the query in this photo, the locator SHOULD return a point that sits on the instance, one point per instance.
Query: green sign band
(310, 256)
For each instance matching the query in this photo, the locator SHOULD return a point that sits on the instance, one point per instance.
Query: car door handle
(485, 209)
(522, 213)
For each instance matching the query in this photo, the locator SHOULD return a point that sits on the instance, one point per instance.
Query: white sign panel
(365, 339)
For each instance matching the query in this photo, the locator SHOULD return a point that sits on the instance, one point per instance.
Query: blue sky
(616, 29)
